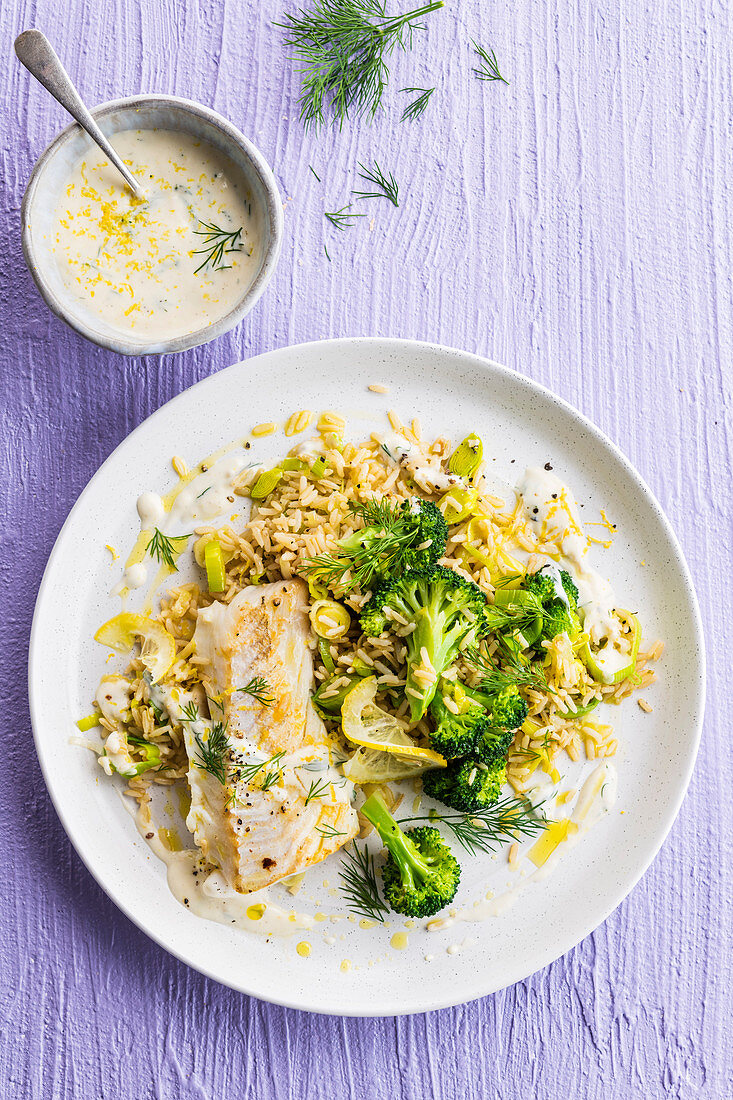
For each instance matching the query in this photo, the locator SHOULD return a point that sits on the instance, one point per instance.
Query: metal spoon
(39, 57)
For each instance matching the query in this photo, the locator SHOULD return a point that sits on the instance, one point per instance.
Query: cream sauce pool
(133, 263)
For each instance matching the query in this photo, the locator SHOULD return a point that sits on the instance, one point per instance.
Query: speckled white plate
(452, 392)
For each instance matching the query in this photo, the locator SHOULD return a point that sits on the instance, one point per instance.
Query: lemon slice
(375, 766)
(370, 727)
(157, 647)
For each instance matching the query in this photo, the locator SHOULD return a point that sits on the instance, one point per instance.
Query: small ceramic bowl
(145, 112)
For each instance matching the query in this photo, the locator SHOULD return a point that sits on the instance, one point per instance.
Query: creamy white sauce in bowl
(141, 278)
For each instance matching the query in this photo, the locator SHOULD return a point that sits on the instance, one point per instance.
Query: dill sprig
(162, 547)
(342, 219)
(270, 778)
(359, 884)
(393, 532)
(487, 829)
(489, 67)
(317, 789)
(514, 616)
(328, 831)
(190, 712)
(343, 46)
(415, 109)
(211, 754)
(217, 243)
(515, 670)
(314, 172)
(386, 184)
(260, 690)
(247, 772)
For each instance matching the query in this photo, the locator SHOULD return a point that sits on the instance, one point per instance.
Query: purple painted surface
(576, 226)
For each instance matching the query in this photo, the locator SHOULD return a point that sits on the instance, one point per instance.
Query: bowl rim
(273, 214)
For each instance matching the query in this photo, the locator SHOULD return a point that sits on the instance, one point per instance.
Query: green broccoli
(395, 539)
(558, 595)
(421, 874)
(493, 745)
(506, 707)
(456, 734)
(467, 785)
(445, 608)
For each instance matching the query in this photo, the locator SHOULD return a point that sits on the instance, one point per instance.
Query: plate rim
(488, 366)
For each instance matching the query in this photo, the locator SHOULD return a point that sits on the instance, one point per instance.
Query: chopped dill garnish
(489, 67)
(328, 832)
(386, 184)
(260, 690)
(314, 172)
(270, 778)
(327, 255)
(359, 884)
(515, 671)
(415, 109)
(317, 789)
(162, 547)
(343, 46)
(190, 712)
(211, 754)
(217, 243)
(247, 772)
(487, 829)
(384, 552)
(342, 219)
(158, 713)
(215, 701)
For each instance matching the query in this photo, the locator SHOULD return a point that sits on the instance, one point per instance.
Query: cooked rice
(306, 516)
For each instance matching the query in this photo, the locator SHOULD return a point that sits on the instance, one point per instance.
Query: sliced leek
(467, 457)
(215, 570)
(601, 670)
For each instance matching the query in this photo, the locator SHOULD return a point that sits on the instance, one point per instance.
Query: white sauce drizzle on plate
(428, 476)
(597, 796)
(551, 505)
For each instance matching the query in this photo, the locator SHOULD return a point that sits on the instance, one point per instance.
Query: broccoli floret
(493, 746)
(558, 595)
(541, 585)
(466, 785)
(507, 709)
(429, 527)
(456, 734)
(421, 874)
(445, 609)
(485, 726)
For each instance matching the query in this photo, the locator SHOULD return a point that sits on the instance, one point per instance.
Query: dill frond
(489, 67)
(415, 109)
(342, 47)
(163, 547)
(359, 884)
(386, 184)
(217, 243)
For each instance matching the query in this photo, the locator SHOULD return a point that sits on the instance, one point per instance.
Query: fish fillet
(255, 835)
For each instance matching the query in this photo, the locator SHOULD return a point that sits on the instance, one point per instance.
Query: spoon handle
(39, 57)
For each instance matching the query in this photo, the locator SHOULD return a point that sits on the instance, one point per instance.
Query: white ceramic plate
(452, 393)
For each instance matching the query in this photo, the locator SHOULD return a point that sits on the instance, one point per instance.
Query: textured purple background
(576, 226)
